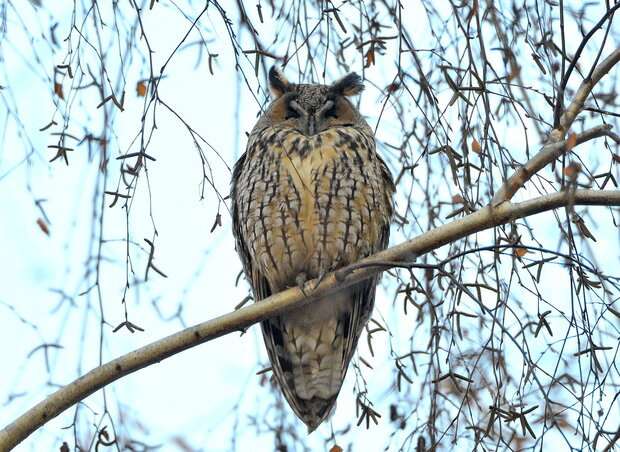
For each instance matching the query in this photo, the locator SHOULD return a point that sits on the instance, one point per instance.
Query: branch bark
(546, 155)
(576, 105)
(488, 217)
(556, 145)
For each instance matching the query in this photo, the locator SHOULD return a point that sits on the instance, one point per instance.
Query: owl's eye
(331, 113)
(291, 114)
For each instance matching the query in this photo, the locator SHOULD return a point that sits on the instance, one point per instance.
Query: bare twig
(103, 375)
(558, 107)
(556, 144)
(546, 155)
(582, 94)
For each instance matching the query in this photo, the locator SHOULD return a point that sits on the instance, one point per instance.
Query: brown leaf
(514, 74)
(582, 228)
(43, 226)
(475, 146)
(52, 123)
(141, 88)
(370, 57)
(520, 252)
(571, 142)
(392, 87)
(58, 90)
(616, 158)
(182, 444)
(336, 448)
(217, 222)
(458, 199)
(572, 170)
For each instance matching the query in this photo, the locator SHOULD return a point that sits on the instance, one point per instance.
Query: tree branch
(560, 96)
(556, 145)
(546, 155)
(488, 217)
(582, 94)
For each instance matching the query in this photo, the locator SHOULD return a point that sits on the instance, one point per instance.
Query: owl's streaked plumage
(311, 195)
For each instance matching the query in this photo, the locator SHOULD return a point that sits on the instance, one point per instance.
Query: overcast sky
(199, 395)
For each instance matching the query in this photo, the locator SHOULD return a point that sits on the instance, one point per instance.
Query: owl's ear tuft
(278, 84)
(349, 85)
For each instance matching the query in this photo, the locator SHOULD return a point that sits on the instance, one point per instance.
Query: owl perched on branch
(311, 195)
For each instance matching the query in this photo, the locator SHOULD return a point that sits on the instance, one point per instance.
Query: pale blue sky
(191, 395)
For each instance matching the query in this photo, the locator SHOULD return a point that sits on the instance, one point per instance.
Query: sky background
(192, 395)
(208, 393)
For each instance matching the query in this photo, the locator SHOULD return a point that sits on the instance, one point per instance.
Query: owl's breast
(309, 201)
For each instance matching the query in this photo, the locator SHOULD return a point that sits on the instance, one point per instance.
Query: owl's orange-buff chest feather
(307, 202)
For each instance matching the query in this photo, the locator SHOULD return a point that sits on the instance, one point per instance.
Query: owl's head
(312, 109)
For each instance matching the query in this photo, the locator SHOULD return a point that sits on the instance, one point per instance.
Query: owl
(311, 195)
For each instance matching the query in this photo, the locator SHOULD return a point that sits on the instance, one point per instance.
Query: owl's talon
(341, 276)
(301, 280)
(322, 275)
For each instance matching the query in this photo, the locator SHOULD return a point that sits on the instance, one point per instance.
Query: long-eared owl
(311, 195)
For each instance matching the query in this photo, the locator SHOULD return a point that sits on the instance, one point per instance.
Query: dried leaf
(475, 146)
(217, 222)
(335, 11)
(141, 88)
(514, 74)
(43, 226)
(182, 444)
(370, 57)
(53, 123)
(572, 170)
(58, 90)
(392, 87)
(582, 228)
(520, 252)
(538, 63)
(336, 448)
(614, 312)
(571, 142)
(458, 199)
(616, 158)
(212, 56)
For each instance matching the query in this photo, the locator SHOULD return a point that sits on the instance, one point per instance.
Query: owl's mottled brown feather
(311, 195)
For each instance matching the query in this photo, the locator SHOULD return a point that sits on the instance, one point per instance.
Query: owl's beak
(310, 128)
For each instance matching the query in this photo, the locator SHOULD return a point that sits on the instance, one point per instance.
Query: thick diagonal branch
(556, 145)
(153, 353)
(576, 105)
(546, 155)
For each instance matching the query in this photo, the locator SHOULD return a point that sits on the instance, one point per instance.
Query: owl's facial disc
(311, 121)
(328, 110)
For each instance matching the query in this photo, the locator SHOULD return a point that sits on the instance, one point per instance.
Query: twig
(558, 107)
(546, 155)
(582, 94)
(103, 375)
(556, 144)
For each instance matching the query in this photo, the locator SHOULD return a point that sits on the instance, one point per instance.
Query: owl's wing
(300, 384)
(364, 292)
(313, 393)
(362, 302)
(291, 369)
(260, 286)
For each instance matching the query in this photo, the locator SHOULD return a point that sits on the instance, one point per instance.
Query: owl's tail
(310, 349)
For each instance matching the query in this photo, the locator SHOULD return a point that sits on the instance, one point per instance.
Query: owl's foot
(301, 280)
(322, 274)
